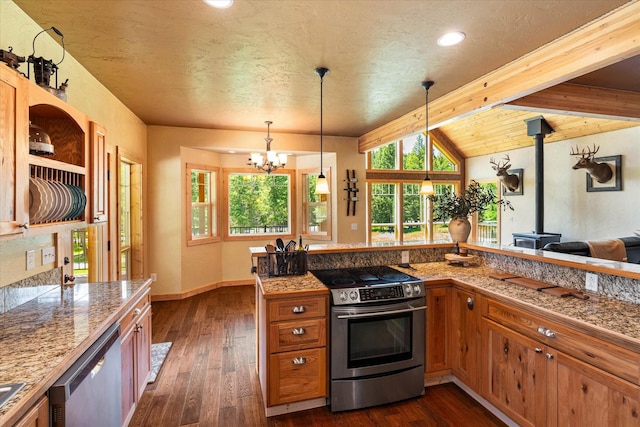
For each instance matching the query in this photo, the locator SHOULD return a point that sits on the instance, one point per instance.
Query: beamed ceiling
(182, 63)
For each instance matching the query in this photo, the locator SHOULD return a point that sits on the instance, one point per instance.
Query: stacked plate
(52, 201)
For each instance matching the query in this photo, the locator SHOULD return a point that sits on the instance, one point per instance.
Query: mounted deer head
(511, 181)
(601, 172)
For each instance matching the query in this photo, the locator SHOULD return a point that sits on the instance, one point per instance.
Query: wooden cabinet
(540, 372)
(135, 328)
(14, 133)
(464, 335)
(292, 348)
(437, 351)
(515, 376)
(40, 190)
(37, 416)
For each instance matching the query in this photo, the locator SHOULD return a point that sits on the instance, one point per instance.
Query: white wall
(568, 208)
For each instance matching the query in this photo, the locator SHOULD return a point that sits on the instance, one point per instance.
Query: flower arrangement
(475, 198)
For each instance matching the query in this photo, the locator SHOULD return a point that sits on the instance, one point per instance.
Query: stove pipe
(538, 128)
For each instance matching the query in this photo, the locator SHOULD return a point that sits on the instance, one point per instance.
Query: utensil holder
(283, 263)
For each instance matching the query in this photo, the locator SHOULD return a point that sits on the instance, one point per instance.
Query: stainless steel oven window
(380, 340)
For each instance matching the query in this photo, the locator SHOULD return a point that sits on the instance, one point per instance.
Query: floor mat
(158, 354)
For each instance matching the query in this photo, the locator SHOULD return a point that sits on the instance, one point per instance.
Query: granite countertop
(42, 338)
(617, 318)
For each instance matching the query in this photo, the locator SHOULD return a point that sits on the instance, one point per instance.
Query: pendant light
(322, 186)
(427, 186)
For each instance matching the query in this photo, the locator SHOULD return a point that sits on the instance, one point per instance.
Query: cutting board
(530, 283)
(558, 291)
(502, 276)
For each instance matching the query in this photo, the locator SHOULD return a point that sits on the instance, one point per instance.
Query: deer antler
(585, 153)
(498, 166)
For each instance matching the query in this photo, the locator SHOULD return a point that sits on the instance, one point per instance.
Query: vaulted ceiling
(182, 63)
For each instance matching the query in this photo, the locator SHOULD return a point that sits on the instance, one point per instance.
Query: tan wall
(568, 208)
(230, 262)
(85, 93)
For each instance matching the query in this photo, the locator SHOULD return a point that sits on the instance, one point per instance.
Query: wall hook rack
(352, 191)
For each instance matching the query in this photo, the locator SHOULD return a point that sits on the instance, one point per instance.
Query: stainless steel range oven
(378, 320)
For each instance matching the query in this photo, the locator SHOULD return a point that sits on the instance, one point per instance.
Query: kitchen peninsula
(519, 351)
(42, 338)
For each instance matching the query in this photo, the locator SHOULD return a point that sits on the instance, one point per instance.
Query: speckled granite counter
(41, 339)
(618, 319)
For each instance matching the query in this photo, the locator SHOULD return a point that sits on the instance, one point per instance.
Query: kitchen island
(593, 342)
(42, 338)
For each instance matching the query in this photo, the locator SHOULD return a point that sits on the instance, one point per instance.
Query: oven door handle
(381, 313)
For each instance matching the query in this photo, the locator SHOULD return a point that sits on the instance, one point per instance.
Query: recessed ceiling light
(451, 39)
(219, 4)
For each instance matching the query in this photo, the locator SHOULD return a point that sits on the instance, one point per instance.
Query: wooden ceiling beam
(579, 100)
(599, 43)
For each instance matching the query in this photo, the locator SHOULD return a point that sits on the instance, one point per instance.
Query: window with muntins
(202, 215)
(259, 204)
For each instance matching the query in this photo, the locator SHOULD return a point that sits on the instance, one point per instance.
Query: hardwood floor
(209, 377)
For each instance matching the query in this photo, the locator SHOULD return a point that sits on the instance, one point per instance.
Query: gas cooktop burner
(369, 284)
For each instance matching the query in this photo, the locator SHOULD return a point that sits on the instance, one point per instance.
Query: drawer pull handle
(298, 310)
(299, 360)
(298, 331)
(546, 332)
(538, 350)
(136, 312)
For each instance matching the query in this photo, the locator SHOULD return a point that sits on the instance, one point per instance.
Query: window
(397, 212)
(441, 228)
(202, 221)
(383, 212)
(487, 226)
(316, 208)
(259, 204)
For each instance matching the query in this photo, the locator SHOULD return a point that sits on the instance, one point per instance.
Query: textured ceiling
(182, 63)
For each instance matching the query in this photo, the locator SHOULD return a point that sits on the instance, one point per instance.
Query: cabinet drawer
(134, 313)
(586, 347)
(297, 335)
(299, 308)
(297, 375)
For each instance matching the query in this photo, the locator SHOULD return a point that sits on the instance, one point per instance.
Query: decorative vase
(459, 229)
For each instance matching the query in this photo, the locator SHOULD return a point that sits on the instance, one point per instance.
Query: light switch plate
(31, 259)
(405, 257)
(591, 282)
(48, 255)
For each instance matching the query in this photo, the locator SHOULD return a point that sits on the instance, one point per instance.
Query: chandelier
(269, 161)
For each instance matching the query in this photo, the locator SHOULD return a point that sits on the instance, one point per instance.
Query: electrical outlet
(31, 259)
(48, 255)
(405, 257)
(154, 277)
(591, 283)
(354, 226)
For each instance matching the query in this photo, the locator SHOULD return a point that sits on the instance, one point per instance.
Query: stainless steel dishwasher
(89, 393)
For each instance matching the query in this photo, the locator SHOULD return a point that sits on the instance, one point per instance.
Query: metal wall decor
(352, 191)
(613, 184)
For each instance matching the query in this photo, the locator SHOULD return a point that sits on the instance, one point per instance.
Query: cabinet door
(514, 374)
(128, 376)
(99, 182)
(143, 351)
(38, 415)
(588, 396)
(464, 336)
(14, 137)
(437, 352)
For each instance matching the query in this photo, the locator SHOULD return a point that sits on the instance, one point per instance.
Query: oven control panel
(377, 293)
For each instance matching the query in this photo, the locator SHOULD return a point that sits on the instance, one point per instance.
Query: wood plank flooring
(209, 377)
